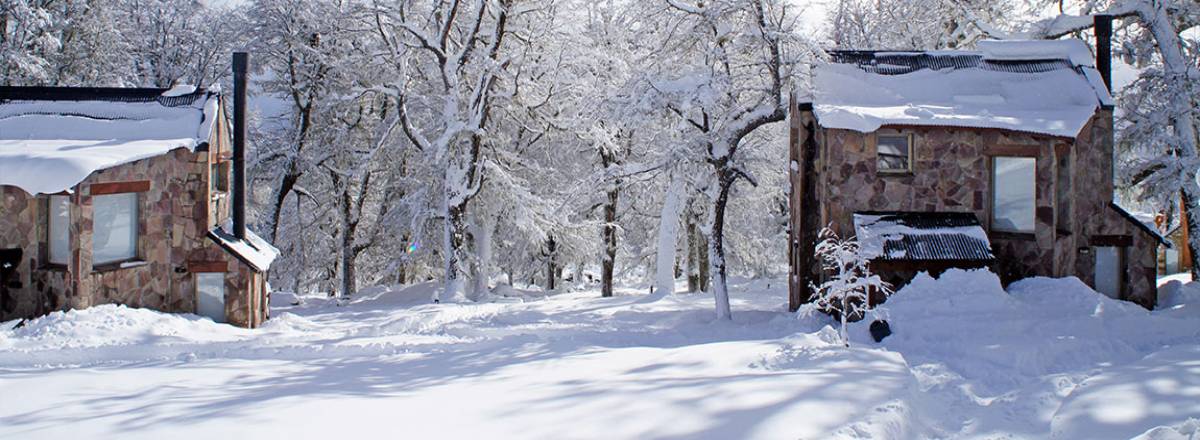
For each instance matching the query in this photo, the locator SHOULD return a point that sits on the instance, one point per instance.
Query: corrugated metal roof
(925, 236)
(899, 63)
(107, 94)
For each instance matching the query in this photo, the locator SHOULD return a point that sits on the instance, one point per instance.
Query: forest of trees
(560, 142)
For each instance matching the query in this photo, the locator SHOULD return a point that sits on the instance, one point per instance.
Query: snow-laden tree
(914, 24)
(849, 283)
(146, 43)
(725, 71)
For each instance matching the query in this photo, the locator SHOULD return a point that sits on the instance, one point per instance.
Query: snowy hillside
(1050, 358)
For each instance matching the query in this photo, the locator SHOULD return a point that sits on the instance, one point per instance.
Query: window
(1013, 197)
(115, 228)
(1109, 265)
(210, 295)
(58, 232)
(220, 177)
(894, 153)
(1062, 200)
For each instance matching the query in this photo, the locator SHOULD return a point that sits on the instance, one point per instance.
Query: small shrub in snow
(847, 290)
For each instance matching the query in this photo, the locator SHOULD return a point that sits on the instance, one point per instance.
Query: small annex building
(125, 196)
(1000, 157)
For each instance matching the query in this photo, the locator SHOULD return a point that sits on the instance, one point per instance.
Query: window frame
(219, 176)
(908, 161)
(137, 231)
(992, 162)
(50, 232)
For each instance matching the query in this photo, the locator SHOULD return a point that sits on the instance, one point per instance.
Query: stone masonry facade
(177, 206)
(951, 172)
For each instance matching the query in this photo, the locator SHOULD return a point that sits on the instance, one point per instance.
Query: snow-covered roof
(53, 138)
(922, 236)
(1044, 87)
(253, 251)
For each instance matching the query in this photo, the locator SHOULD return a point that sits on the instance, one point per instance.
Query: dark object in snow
(880, 329)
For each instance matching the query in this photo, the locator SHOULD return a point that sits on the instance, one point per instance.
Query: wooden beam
(1013, 150)
(1111, 240)
(207, 266)
(98, 189)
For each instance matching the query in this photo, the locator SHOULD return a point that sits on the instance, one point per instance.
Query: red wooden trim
(98, 189)
(1013, 150)
(207, 266)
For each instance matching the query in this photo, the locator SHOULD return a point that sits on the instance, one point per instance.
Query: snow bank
(1041, 326)
(1160, 391)
(1179, 296)
(114, 325)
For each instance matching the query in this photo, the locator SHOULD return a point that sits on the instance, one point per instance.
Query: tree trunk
(668, 236)
(482, 239)
(551, 263)
(716, 250)
(453, 238)
(349, 271)
(693, 258)
(610, 243)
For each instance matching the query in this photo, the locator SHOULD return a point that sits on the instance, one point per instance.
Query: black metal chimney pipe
(1103, 25)
(240, 61)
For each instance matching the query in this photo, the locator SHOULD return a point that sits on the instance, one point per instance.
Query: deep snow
(968, 360)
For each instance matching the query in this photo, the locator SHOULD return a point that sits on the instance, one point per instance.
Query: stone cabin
(125, 196)
(999, 158)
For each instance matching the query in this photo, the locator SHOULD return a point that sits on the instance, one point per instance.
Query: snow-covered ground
(1049, 358)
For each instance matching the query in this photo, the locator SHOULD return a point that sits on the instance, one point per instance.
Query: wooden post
(803, 227)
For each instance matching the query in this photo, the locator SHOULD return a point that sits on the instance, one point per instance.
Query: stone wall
(951, 172)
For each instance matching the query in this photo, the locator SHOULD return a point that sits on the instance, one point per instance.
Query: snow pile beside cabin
(1056, 101)
(48, 147)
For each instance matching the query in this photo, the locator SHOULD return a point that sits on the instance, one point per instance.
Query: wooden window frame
(138, 188)
(908, 161)
(1007, 233)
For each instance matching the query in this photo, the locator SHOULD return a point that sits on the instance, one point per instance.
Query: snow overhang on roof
(922, 236)
(1042, 87)
(254, 251)
(52, 138)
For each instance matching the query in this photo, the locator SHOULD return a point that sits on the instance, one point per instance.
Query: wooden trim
(207, 266)
(908, 163)
(1009, 235)
(1011, 150)
(1111, 240)
(99, 189)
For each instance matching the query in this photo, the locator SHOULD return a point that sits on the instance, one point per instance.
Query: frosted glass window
(1013, 196)
(1108, 271)
(210, 295)
(115, 227)
(893, 152)
(58, 230)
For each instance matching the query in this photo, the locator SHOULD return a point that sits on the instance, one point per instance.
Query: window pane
(115, 228)
(1013, 200)
(58, 233)
(892, 152)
